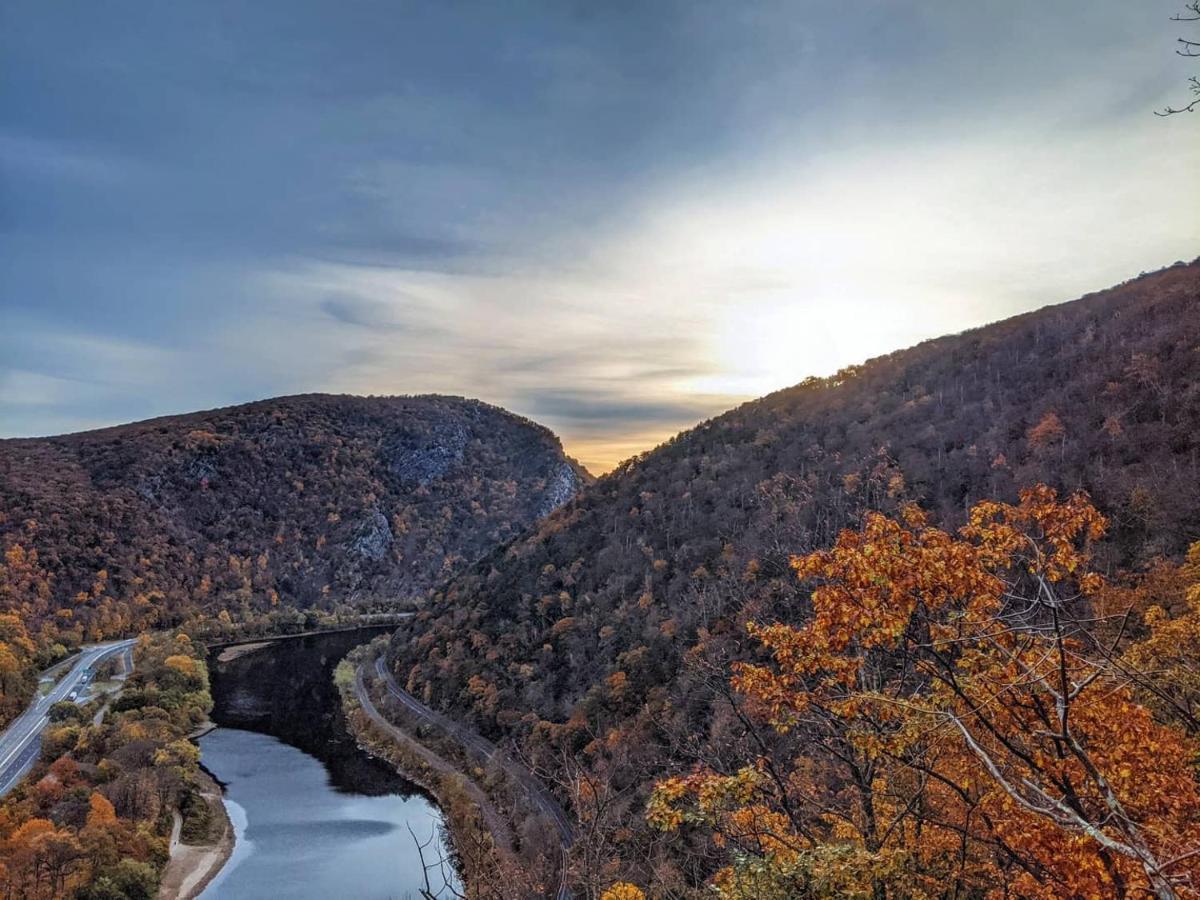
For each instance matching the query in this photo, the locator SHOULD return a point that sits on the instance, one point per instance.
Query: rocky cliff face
(561, 486)
(310, 500)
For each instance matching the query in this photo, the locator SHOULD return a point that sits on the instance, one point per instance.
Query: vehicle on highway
(19, 743)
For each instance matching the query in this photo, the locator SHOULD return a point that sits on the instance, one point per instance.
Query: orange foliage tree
(963, 727)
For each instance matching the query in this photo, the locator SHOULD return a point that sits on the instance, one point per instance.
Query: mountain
(305, 501)
(602, 637)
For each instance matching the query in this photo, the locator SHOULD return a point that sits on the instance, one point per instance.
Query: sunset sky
(615, 218)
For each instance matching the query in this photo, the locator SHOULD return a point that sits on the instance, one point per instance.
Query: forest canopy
(600, 645)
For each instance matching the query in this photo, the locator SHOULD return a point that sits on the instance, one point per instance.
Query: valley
(602, 686)
(314, 815)
(599, 451)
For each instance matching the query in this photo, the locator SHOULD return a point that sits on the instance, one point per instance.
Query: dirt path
(193, 866)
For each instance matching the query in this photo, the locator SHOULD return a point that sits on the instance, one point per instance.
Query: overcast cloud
(615, 218)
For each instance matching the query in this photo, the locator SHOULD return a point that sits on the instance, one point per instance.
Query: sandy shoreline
(192, 867)
(230, 653)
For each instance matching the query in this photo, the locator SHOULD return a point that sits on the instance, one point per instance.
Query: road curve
(20, 743)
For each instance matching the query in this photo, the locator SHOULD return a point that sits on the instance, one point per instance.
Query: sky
(616, 218)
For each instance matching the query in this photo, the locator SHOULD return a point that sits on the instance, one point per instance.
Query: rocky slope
(308, 501)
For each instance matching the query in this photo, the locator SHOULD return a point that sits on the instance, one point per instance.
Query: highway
(21, 741)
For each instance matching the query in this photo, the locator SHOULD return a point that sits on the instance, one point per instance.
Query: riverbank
(315, 815)
(479, 834)
(509, 836)
(237, 650)
(192, 866)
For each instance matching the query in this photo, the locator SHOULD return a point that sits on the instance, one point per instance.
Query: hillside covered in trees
(305, 502)
(601, 644)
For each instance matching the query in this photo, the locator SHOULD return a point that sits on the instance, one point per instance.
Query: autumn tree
(1165, 664)
(1048, 432)
(963, 726)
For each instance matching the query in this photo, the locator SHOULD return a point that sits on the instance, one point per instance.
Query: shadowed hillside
(306, 501)
(604, 635)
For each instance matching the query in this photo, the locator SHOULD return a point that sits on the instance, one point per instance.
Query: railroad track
(487, 751)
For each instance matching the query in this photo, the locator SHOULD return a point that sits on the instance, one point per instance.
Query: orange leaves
(623, 890)
(1047, 432)
(1168, 658)
(618, 683)
(101, 813)
(1050, 537)
(951, 700)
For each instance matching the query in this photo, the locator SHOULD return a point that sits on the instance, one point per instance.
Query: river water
(315, 817)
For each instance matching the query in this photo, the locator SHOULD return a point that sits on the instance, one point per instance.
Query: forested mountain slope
(305, 501)
(604, 635)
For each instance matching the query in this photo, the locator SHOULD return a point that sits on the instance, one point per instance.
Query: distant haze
(616, 219)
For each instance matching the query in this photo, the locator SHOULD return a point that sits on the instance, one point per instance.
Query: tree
(67, 711)
(127, 880)
(101, 813)
(1166, 663)
(1190, 49)
(1048, 432)
(623, 890)
(965, 726)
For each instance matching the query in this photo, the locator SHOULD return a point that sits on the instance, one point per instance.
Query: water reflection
(326, 822)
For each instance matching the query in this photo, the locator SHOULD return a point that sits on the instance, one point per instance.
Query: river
(315, 817)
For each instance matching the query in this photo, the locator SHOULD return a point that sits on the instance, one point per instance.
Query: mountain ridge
(309, 501)
(600, 635)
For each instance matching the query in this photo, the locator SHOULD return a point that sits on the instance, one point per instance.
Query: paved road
(21, 741)
(486, 751)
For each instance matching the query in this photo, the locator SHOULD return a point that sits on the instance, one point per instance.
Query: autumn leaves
(962, 715)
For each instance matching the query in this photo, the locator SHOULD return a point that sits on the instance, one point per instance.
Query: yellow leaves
(623, 890)
(184, 665)
(704, 797)
(661, 810)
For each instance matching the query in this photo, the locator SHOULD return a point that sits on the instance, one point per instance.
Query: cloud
(365, 312)
(618, 220)
(41, 158)
(594, 410)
